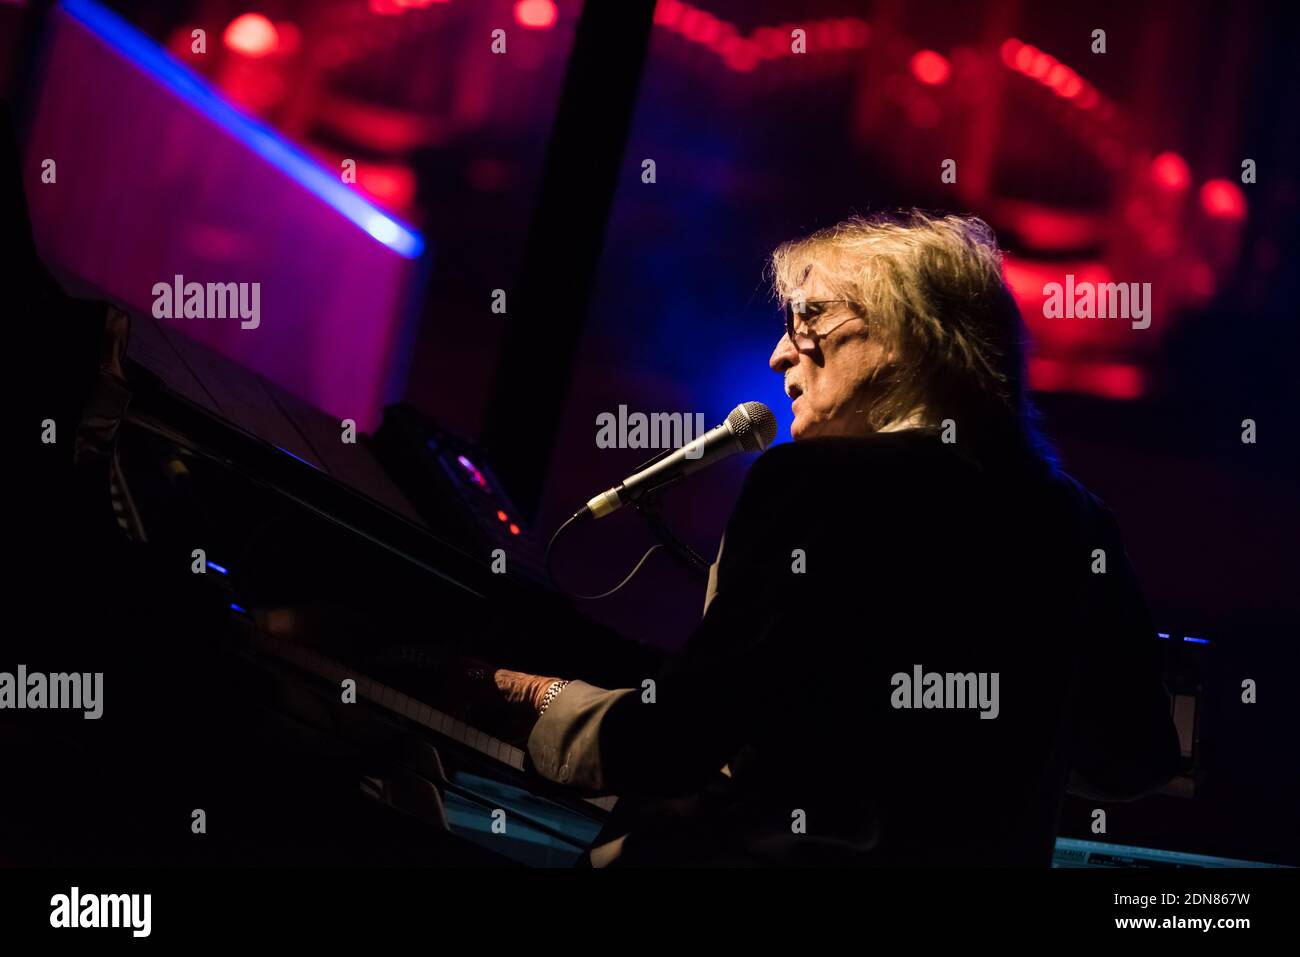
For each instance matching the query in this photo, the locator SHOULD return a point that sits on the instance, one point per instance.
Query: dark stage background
(1118, 166)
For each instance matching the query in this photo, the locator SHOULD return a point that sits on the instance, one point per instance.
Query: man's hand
(502, 702)
(522, 689)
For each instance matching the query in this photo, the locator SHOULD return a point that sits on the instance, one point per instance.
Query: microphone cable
(584, 512)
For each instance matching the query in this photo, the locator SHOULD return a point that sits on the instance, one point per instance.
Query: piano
(254, 577)
(212, 545)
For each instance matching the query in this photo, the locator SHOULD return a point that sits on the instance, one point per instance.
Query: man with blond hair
(919, 632)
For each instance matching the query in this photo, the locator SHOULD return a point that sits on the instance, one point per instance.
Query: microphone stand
(649, 507)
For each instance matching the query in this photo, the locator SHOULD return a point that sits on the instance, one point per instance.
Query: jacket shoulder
(884, 452)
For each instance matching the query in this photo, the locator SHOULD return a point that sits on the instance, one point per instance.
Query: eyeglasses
(810, 313)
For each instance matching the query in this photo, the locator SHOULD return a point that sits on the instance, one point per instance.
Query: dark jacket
(848, 562)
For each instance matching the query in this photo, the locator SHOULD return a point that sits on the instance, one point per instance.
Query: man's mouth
(793, 391)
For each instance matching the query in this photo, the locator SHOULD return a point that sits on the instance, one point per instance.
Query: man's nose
(784, 356)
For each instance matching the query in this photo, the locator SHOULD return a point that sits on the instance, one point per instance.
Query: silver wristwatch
(552, 693)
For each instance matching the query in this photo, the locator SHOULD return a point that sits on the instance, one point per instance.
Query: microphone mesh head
(753, 424)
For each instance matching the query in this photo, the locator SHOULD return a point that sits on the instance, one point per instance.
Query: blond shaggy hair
(931, 290)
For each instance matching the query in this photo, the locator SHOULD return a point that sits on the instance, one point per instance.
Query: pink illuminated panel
(157, 177)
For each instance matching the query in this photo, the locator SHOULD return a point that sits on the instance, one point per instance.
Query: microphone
(750, 427)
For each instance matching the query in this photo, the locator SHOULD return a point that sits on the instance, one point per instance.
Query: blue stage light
(266, 143)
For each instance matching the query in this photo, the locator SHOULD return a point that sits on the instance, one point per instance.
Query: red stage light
(501, 516)
(858, 31)
(1223, 198)
(1112, 380)
(536, 14)
(725, 39)
(252, 35)
(930, 67)
(705, 29)
(514, 529)
(687, 25)
(393, 185)
(771, 43)
(667, 12)
(1048, 375)
(822, 34)
(1170, 171)
(1010, 47)
(740, 54)
(743, 54)
(288, 36)
(1062, 81)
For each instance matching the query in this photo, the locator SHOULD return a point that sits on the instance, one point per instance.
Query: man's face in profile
(829, 371)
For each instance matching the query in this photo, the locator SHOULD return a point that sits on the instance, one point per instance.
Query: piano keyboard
(403, 705)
